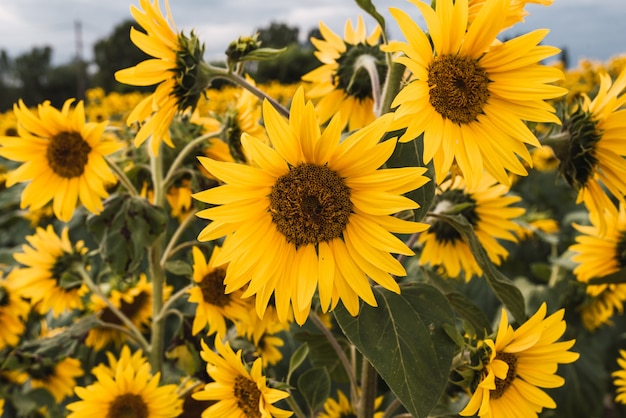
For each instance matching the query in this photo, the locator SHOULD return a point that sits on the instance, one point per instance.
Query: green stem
(132, 329)
(339, 351)
(171, 300)
(175, 236)
(391, 87)
(369, 378)
(184, 152)
(242, 82)
(295, 407)
(157, 273)
(122, 177)
(391, 408)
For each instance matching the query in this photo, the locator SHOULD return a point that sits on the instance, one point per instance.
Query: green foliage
(405, 340)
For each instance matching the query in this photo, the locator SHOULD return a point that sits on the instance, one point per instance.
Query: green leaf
(314, 385)
(32, 400)
(322, 354)
(124, 229)
(501, 285)
(371, 10)
(297, 358)
(179, 268)
(405, 341)
(409, 154)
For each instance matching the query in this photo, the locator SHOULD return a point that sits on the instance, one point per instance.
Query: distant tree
(32, 71)
(278, 35)
(115, 53)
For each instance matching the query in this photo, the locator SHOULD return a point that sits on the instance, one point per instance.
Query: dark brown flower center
(213, 289)
(620, 250)
(458, 87)
(310, 204)
(128, 405)
(503, 384)
(68, 154)
(130, 309)
(248, 396)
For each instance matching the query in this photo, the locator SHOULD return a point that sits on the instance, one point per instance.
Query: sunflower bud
(248, 48)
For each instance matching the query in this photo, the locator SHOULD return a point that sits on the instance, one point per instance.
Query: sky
(589, 29)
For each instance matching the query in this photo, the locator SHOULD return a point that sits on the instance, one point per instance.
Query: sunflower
(13, 311)
(134, 301)
(214, 305)
(322, 206)
(519, 363)
(470, 94)
(126, 388)
(48, 280)
(179, 199)
(63, 158)
(350, 67)
(544, 158)
(487, 208)
(599, 255)
(603, 302)
(592, 154)
(175, 68)
(514, 14)
(267, 348)
(240, 392)
(342, 408)
(58, 379)
(619, 378)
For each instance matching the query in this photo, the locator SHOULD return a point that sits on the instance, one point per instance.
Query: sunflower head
(191, 80)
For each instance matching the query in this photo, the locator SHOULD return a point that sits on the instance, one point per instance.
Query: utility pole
(80, 63)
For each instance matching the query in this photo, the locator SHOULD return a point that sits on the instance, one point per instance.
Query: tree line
(32, 77)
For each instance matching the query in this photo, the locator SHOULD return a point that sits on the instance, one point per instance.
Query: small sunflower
(179, 199)
(619, 378)
(518, 365)
(175, 68)
(214, 305)
(240, 392)
(134, 301)
(63, 158)
(126, 389)
(342, 408)
(544, 158)
(13, 311)
(603, 302)
(487, 208)
(343, 83)
(47, 278)
(59, 379)
(469, 94)
(267, 348)
(592, 156)
(321, 203)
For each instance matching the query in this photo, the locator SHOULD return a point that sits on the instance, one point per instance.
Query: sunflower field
(429, 226)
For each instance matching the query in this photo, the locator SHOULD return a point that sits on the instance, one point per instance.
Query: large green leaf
(371, 10)
(404, 339)
(314, 385)
(501, 285)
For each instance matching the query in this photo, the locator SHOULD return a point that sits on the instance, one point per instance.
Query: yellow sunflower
(603, 302)
(518, 365)
(240, 392)
(514, 14)
(544, 158)
(592, 155)
(267, 348)
(175, 68)
(134, 301)
(343, 83)
(58, 379)
(126, 389)
(13, 311)
(342, 408)
(599, 255)
(487, 208)
(63, 158)
(214, 305)
(47, 278)
(619, 378)
(320, 203)
(470, 94)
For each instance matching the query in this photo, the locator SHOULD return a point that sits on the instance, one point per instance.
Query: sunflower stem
(295, 407)
(392, 86)
(369, 378)
(368, 63)
(132, 329)
(157, 273)
(242, 82)
(185, 151)
(171, 300)
(391, 408)
(339, 351)
(122, 177)
(175, 236)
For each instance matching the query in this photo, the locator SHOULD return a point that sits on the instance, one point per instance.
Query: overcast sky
(593, 29)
